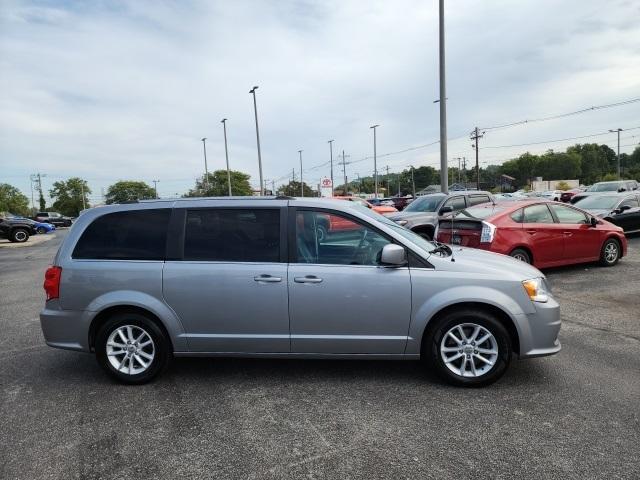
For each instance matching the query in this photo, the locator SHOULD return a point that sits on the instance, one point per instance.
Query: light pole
(155, 188)
(226, 153)
(330, 142)
(618, 130)
(444, 178)
(301, 184)
(255, 111)
(205, 184)
(375, 161)
(413, 183)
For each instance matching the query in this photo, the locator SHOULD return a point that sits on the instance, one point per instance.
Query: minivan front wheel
(132, 348)
(469, 348)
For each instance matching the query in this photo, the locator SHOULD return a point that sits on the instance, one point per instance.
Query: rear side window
(518, 216)
(130, 235)
(457, 203)
(537, 214)
(478, 199)
(232, 235)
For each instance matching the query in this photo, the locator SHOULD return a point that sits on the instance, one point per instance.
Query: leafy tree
(564, 186)
(595, 161)
(12, 200)
(293, 189)
(217, 185)
(70, 196)
(129, 190)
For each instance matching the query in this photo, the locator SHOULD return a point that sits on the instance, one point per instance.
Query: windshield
(421, 242)
(479, 212)
(604, 187)
(428, 203)
(603, 202)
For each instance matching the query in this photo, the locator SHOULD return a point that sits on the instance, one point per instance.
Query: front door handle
(267, 278)
(307, 279)
(531, 232)
(568, 234)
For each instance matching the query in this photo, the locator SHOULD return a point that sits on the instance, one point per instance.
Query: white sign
(326, 187)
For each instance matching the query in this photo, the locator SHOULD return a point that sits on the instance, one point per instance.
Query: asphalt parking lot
(574, 415)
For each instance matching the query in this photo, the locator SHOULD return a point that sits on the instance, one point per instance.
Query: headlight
(402, 222)
(488, 231)
(536, 289)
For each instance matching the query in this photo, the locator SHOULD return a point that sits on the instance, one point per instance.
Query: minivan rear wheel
(468, 348)
(132, 348)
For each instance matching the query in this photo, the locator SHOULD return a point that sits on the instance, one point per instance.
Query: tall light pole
(443, 109)
(155, 189)
(375, 160)
(226, 153)
(205, 184)
(255, 111)
(413, 183)
(301, 184)
(618, 130)
(330, 142)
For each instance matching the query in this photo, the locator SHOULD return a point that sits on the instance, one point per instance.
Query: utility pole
(155, 187)
(475, 135)
(344, 171)
(464, 170)
(255, 111)
(618, 130)
(399, 191)
(41, 199)
(301, 184)
(84, 206)
(33, 179)
(413, 183)
(375, 161)
(330, 142)
(273, 187)
(444, 178)
(359, 183)
(226, 154)
(205, 184)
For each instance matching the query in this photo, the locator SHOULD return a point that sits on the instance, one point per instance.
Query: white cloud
(126, 90)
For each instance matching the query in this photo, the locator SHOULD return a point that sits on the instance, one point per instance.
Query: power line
(553, 141)
(563, 115)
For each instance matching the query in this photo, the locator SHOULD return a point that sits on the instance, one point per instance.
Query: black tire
(321, 232)
(610, 252)
(67, 223)
(19, 235)
(426, 234)
(162, 351)
(431, 348)
(521, 254)
(41, 230)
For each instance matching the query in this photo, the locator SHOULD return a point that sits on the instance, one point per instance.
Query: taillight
(52, 282)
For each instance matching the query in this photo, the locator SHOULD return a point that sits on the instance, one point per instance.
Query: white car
(552, 195)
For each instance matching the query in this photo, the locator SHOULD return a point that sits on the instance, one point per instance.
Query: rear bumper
(539, 330)
(65, 329)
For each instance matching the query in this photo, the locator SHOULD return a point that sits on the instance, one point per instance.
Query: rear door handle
(568, 234)
(267, 279)
(531, 232)
(307, 279)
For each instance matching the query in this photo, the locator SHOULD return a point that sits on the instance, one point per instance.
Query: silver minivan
(255, 277)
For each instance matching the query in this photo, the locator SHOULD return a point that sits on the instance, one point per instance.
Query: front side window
(478, 199)
(128, 235)
(630, 202)
(232, 235)
(327, 238)
(537, 214)
(569, 215)
(428, 203)
(457, 203)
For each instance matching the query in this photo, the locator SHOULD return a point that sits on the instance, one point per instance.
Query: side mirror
(594, 221)
(444, 210)
(623, 208)
(393, 255)
(622, 189)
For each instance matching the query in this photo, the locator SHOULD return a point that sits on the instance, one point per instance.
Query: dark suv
(421, 215)
(54, 218)
(15, 229)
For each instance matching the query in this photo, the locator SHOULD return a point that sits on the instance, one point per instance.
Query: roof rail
(128, 201)
(285, 197)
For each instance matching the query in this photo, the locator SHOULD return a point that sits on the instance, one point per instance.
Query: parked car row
(18, 229)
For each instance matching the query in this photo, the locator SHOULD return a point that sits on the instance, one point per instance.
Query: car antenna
(453, 214)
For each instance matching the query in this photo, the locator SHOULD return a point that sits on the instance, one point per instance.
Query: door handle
(531, 232)
(307, 279)
(267, 279)
(568, 234)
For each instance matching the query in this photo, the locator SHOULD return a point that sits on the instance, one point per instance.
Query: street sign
(326, 187)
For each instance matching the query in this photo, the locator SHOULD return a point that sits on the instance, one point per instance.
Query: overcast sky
(126, 90)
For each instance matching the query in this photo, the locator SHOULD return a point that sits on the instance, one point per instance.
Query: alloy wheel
(611, 252)
(469, 350)
(130, 349)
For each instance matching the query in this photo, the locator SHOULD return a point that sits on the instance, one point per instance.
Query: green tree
(129, 190)
(217, 185)
(70, 196)
(293, 189)
(595, 161)
(12, 200)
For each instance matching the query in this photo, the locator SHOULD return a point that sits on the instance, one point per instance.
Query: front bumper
(539, 331)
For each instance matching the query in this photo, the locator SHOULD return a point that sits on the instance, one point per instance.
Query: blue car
(44, 227)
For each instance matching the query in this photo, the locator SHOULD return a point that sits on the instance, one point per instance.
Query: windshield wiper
(441, 248)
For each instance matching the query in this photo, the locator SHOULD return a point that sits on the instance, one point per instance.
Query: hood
(409, 216)
(482, 261)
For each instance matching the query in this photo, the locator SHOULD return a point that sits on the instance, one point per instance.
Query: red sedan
(544, 234)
